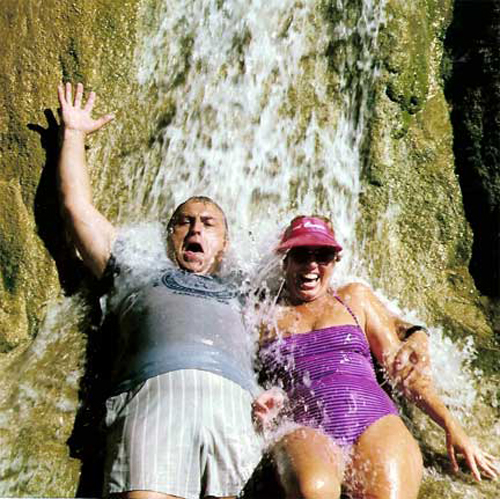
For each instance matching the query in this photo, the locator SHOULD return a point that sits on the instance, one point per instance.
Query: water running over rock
(264, 107)
(260, 106)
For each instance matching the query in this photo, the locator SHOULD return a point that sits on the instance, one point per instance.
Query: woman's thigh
(309, 465)
(386, 462)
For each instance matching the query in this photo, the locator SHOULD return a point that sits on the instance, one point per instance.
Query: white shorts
(186, 433)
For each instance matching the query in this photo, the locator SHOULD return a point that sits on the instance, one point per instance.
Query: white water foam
(255, 124)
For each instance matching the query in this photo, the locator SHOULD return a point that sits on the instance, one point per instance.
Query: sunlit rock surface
(273, 109)
(42, 336)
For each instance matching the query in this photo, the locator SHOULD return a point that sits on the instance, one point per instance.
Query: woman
(348, 431)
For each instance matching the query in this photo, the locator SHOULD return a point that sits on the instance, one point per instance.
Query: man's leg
(147, 494)
(231, 450)
(169, 425)
(152, 441)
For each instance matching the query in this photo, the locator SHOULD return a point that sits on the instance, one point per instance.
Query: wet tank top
(169, 319)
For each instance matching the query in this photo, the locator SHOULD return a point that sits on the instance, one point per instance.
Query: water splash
(39, 392)
(261, 105)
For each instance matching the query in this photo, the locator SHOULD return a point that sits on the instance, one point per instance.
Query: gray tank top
(179, 320)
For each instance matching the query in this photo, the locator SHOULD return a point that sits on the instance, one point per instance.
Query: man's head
(198, 235)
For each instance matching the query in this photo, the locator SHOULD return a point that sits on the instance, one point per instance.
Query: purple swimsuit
(330, 380)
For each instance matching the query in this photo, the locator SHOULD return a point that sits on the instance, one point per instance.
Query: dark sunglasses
(322, 256)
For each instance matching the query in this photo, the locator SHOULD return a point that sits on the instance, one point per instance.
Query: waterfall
(264, 106)
(260, 105)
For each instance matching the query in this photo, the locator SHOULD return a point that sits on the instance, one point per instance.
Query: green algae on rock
(50, 41)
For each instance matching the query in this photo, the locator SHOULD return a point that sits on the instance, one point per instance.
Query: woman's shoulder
(359, 296)
(354, 290)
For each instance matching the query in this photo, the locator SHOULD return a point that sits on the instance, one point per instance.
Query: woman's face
(307, 271)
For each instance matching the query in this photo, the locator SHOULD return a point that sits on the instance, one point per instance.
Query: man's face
(197, 240)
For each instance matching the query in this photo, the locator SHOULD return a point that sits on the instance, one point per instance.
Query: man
(179, 415)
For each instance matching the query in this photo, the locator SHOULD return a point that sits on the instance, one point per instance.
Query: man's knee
(143, 494)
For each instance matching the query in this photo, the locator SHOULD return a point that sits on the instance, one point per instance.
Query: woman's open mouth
(308, 281)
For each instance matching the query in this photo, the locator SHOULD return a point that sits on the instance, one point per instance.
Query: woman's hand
(75, 118)
(267, 406)
(478, 461)
(411, 370)
(410, 367)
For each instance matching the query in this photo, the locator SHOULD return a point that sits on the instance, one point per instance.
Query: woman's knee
(393, 478)
(310, 465)
(310, 483)
(387, 463)
(319, 486)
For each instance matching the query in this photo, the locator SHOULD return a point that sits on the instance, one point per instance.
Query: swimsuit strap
(348, 309)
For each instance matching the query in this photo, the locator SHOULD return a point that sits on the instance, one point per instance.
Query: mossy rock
(91, 41)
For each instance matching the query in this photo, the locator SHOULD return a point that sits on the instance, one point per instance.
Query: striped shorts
(186, 433)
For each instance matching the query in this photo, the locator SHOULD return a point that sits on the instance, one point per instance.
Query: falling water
(263, 106)
(260, 105)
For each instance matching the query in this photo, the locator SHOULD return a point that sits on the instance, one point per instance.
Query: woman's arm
(385, 331)
(457, 441)
(408, 366)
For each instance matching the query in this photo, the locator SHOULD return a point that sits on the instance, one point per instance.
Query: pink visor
(308, 231)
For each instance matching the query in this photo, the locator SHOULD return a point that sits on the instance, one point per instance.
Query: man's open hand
(76, 118)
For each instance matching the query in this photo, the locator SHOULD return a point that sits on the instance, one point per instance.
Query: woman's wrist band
(413, 330)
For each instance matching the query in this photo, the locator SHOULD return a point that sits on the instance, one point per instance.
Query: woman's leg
(310, 465)
(143, 494)
(386, 462)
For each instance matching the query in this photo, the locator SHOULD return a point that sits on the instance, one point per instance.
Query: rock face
(422, 164)
(412, 205)
(51, 42)
(46, 42)
(473, 89)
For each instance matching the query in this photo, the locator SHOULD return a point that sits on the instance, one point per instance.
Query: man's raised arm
(91, 232)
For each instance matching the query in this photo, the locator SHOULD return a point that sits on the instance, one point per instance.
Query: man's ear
(169, 246)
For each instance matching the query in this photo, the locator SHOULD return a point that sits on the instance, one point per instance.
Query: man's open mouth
(194, 248)
(193, 251)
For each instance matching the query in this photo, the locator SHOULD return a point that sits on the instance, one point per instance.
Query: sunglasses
(322, 256)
